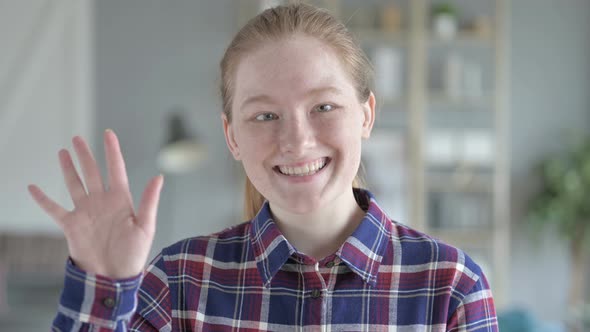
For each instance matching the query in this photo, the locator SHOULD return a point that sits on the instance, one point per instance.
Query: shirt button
(108, 302)
(316, 293)
(330, 264)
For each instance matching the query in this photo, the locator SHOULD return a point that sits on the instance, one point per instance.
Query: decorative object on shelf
(472, 80)
(564, 201)
(385, 160)
(388, 73)
(182, 152)
(453, 76)
(462, 78)
(481, 26)
(391, 18)
(478, 147)
(442, 147)
(445, 21)
(265, 4)
(459, 210)
(451, 147)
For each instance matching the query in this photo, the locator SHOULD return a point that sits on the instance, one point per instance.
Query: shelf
(463, 38)
(438, 98)
(472, 238)
(461, 181)
(381, 37)
(460, 119)
(460, 167)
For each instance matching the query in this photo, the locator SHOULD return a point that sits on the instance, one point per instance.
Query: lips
(305, 169)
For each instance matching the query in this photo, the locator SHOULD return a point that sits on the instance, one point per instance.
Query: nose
(296, 135)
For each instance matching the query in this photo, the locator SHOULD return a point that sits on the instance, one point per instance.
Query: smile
(305, 169)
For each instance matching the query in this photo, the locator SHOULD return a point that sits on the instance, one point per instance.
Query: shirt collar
(271, 248)
(362, 251)
(365, 248)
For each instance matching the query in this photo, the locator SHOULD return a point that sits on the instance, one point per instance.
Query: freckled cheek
(330, 130)
(339, 130)
(255, 142)
(349, 145)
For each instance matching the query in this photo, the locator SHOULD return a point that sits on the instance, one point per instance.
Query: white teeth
(308, 169)
(316, 165)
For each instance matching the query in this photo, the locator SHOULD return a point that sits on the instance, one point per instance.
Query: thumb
(148, 206)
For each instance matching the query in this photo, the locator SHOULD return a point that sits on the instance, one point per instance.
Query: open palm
(105, 234)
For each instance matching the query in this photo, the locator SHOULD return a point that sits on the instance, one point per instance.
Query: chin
(301, 206)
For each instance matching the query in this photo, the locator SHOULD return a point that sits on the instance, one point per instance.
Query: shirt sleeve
(154, 307)
(91, 302)
(476, 312)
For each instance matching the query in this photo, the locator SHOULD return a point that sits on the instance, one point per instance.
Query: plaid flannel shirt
(385, 277)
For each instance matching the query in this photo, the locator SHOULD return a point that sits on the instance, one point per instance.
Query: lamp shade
(181, 152)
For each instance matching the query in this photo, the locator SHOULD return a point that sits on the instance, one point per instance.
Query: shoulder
(417, 251)
(416, 254)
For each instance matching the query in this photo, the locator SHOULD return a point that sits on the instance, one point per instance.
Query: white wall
(45, 98)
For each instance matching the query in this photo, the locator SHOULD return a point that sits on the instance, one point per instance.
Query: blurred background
(481, 136)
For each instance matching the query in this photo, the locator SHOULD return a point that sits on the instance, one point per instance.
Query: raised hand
(105, 234)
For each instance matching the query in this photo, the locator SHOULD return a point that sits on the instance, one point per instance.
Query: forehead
(290, 67)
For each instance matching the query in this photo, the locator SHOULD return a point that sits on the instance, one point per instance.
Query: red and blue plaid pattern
(385, 277)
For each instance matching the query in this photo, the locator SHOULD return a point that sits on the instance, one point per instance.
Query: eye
(266, 117)
(324, 108)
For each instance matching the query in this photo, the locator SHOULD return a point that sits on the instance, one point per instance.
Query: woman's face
(297, 124)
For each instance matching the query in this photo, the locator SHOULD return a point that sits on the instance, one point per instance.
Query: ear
(228, 131)
(369, 116)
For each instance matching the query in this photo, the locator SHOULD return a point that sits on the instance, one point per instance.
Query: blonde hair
(278, 23)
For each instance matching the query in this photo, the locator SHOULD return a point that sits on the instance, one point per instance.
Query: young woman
(317, 252)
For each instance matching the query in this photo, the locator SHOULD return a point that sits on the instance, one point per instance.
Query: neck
(320, 233)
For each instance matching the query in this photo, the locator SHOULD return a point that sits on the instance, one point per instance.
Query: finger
(71, 177)
(148, 206)
(53, 209)
(115, 162)
(88, 164)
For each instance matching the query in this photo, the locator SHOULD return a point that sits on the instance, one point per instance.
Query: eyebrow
(269, 100)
